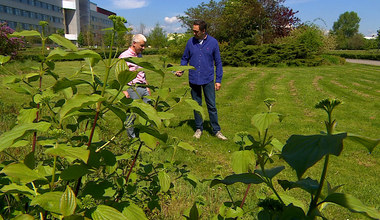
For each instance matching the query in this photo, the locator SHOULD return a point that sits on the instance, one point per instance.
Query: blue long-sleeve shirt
(203, 57)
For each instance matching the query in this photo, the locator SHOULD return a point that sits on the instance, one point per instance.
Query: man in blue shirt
(202, 52)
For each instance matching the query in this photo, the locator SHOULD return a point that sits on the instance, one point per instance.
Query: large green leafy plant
(301, 152)
(71, 170)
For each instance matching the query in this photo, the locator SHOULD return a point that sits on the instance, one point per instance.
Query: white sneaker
(197, 134)
(220, 136)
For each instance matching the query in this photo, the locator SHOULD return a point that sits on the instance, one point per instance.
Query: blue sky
(321, 12)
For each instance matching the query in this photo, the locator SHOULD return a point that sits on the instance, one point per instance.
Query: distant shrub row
(33, 54)
(357, 54)
(274, 55)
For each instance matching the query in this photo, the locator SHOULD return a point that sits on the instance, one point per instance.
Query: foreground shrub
(9, 45)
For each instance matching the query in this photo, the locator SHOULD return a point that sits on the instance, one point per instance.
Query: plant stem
(314, 202)
(245, 195)
(93, 128)
(229, 194)
(53, 174)
(108, 142)
(133, 163)
(174, 151)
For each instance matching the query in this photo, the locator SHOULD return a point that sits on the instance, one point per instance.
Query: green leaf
(24, 217)
(193, 213)
(353, 204)
(152, 131)
(14, 188)
(32, 77)
(195, 106)
(78, 102)
(164, 180)
(62, 41)
(68, 202)
(243, 139)
(229, 212)
(277, 144)
(246, 178)
(270, 173)
(308, 184)
(22, 172)
(27, 115)
(145, 64)
(122, 73)
(264, 120)
(186, 146)
(103, 212)
(288, 200)
(133, 212)
(120, 113)
(180, 68)
(65, 83)
(19, 89)
(74, 172)
(4, 59)
(59, 54)
(193, 180)
(149, 140)
(49, 201)
(10, 137)
(30, 161)
(125, 156)
(25, 33)
(367, 142)
(63, 150)
(165, 115)
(243, 161)
(146, 111)
(163, 93)
(302, 152)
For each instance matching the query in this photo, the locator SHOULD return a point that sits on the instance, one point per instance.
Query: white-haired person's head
(138, 43)
(138, 38)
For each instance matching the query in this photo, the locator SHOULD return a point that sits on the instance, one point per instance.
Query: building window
(2, 8)
(17, 12)
(26, 14)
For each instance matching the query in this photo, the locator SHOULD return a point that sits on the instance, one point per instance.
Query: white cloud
(171, 20)
(129, 4)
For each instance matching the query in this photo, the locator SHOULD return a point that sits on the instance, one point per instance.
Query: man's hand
(179, 73)
(217, 86)
(126, 94)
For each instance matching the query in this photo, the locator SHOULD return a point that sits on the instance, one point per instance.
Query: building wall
(72, 16)
(26, 14)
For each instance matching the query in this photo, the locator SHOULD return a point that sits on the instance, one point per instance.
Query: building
(71, 16)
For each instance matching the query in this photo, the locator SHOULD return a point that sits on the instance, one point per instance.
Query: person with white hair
(140, 82)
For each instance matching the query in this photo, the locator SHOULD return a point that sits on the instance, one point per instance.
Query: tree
(142, 28)
(211, 13)
(347, 24)
(9, 45)
(157, 37)
(378, 39)
(253, 21)
(80, 39)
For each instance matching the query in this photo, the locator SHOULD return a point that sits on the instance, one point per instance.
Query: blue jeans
(209, 93)
(141, 93)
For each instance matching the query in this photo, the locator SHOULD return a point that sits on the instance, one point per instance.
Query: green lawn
(296, 90)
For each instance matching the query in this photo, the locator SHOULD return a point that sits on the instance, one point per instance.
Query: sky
(164, 12)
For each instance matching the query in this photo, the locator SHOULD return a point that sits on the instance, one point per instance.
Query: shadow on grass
(191, 123)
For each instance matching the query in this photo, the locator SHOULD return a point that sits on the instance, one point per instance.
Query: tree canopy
(157, 37)
(347, 24)
(253, 21)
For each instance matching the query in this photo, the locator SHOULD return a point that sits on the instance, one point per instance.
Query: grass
(297, 90)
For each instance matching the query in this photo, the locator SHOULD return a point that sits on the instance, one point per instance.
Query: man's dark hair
(202, 25)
